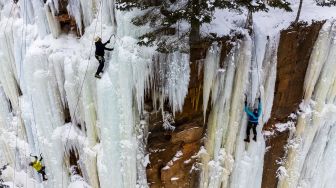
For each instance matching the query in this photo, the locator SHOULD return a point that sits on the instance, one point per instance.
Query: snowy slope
(271, 22)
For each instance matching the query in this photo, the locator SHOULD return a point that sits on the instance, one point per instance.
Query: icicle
(54, 26)
(317, 60)
(74, 9)
(41, 18)
(211, 65)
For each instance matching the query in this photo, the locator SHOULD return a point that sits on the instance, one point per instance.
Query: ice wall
(249, 68)
(53, 105)
(311, 146)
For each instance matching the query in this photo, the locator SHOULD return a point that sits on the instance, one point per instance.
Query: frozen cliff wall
(295, 47)
(312, 143)
(55, 105)
(159, 120)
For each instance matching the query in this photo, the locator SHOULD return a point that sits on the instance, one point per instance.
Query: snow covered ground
(271, 22)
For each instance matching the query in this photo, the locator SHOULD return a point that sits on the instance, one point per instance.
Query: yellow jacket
(37, 165)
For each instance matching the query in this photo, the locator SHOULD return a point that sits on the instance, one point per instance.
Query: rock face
(171, 153)
(67, 22)
(295, 47)
(189, 133)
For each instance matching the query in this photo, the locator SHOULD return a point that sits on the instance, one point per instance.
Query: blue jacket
(252, 117)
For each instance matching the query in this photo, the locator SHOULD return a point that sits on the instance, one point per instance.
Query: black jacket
(3, 168)
(100, 48)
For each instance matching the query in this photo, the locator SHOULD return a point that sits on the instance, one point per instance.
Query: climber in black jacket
(3, 168)
(100, 52)
(1, 180)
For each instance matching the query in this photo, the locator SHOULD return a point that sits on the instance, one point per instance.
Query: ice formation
(51, 103)
(55, 106)
(227, 159)
(312, 144)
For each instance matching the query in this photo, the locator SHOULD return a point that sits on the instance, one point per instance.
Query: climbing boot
(247, 140)
(97, 76)
(255, 138)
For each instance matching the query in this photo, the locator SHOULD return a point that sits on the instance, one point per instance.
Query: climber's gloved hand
(259, 99)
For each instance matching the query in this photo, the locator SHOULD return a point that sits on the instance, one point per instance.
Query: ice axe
(111, 36)
(245, 100)
(34, 155)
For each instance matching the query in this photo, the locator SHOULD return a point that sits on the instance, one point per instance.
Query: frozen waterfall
(93, 133)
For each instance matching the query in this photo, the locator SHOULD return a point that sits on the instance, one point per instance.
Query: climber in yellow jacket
(37, 165)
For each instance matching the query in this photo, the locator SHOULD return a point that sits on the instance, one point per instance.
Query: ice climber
(37, 165)
(252, 121)
(100, 52)
(3, 168)
(1, 180)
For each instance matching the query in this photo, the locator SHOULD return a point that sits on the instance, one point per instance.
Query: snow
(168, 120)
(22, 179)
(78, 182)
(270, 23)
(176, 157)
(281, 127)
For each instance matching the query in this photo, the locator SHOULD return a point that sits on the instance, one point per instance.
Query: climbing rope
(258, 73)
(24, 39)
(7, 43)
(257, 66)
(101, 19)
(17, 125)
(255, 59)
(23, 47)
(81, 88)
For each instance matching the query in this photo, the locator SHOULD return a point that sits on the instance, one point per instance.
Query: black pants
(253, 126)
(101, 60)
(42, 172)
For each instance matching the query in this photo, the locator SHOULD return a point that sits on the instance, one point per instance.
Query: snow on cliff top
(270, 23)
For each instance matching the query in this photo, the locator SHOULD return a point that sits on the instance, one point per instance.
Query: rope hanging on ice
(17, 125)
(81, 87)
(256, 62)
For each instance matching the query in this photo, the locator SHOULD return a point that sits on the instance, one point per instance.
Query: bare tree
(298, 13)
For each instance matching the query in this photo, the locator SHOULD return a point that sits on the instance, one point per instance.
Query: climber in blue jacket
(252, 121)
